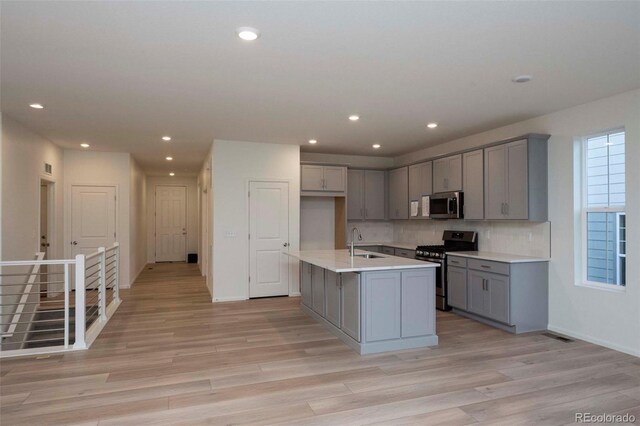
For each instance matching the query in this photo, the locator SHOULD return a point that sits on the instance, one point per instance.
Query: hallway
(170, 356)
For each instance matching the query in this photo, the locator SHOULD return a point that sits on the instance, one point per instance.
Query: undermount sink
(368, 256)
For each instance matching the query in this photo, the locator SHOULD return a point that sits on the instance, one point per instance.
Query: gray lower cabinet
(305, 284)
(457, 287)
(382, 306)
(374, 311)
(317, 289)
(375, 249)
(489, 295)
(332, 297)
(350, 308)
(511, 296)
(415, 319)
(409, 254)
(388, 250)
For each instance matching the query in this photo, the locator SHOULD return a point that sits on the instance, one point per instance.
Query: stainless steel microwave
(446, 205)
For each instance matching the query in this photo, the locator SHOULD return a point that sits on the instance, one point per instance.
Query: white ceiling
(120, 75)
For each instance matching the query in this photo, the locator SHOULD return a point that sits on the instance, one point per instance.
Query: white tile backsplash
(372, 231)
(522, 238)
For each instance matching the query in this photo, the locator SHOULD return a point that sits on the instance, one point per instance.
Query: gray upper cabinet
(473, 184)
(355, 195)
(320, 178)
(366, 194)
(447, 174)
(420, 183)
(399, 193)
(515, 180)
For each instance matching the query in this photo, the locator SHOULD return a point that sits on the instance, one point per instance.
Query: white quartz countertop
(497, 257)
(340, 261)
(395, 244)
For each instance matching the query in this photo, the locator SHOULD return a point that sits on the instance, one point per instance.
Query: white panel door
(268, 237)
(93, 218)
(171, 223)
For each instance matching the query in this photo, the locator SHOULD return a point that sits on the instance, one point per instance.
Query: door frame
(248, 218)
(155, 219)
(52, 234)
(67, 211)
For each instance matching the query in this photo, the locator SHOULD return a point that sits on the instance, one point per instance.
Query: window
(603, 211)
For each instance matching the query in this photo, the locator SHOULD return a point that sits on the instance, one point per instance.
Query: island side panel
(381, 301)
(418, 294)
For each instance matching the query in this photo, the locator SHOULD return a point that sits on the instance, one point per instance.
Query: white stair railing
(34, 319)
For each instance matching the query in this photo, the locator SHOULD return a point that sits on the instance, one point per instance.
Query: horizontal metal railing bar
(24, 284)
(34, 312)
(30, 274)
(89, 284)
(37, 262)
(110, 282)
(32, 303)
(111, 257)
(53, 339)
(91, 312)
(32, 322)
(38, 331)
(31, 292)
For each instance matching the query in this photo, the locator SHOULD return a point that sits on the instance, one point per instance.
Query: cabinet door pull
(506, 208)
(485, 266)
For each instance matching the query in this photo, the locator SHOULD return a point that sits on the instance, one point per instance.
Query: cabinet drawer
(375, 249)
(460, 262)
(388, 250)
(411, 254)
(488, 266)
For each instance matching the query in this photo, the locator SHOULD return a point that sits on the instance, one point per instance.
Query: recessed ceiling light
(354, 117)
(169, 158)
(376, 145)
(432, 125)
(166, 138)
(172, 174)
(36, 106)
(313, 141)
(525, 78)
(248, 33)
(84, 145)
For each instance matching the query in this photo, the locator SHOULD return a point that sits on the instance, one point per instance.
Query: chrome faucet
(352, 248)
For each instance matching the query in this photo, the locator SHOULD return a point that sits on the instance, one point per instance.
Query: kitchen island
(373, 302)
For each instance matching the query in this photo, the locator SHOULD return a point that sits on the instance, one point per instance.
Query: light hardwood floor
(170, 356)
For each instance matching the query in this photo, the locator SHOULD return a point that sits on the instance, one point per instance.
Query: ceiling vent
(48, 168)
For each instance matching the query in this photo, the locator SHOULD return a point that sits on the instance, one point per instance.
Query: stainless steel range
(453, 241)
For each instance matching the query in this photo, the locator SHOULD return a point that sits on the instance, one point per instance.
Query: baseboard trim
(594, 340)
(229, 299)
(295, 294)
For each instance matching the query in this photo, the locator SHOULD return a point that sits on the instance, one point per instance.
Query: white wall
(23, 156)
(137, 221)
(205, 220)
(234, 164)
(604, 317)
(317, 223)
(191, 184)
(102, 168)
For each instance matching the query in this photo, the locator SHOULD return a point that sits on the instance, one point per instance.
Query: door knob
(286, 244)
(74, 243)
